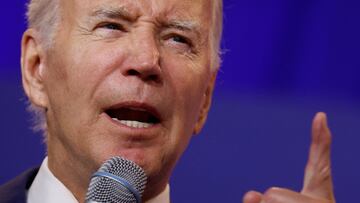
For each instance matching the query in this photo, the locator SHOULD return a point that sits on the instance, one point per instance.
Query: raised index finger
(318, 179)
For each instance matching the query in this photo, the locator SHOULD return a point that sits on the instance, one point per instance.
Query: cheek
(189, 80)
(73, 78)
(90, 65)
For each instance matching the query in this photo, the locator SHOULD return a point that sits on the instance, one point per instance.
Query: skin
(95, 64)
(134, 55)
(318, 185)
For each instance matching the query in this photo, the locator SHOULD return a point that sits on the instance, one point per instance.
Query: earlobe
(33, 68)
(206, 105)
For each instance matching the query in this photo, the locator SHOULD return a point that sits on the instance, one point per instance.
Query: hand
(318, 186)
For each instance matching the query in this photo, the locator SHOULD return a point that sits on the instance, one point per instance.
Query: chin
(148, 159)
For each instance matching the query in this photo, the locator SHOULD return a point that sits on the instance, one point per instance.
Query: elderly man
(129, 78)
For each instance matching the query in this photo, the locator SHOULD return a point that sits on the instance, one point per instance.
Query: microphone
(117, 181)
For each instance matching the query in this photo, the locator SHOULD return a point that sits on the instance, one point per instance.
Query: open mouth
(134, 117)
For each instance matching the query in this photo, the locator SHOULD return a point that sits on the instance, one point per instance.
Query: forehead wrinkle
(173, 15)
(194, 18)
(113, 12)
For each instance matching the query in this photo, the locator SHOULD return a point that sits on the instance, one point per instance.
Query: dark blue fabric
(14, 191)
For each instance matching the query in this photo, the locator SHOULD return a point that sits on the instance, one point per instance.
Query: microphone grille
(105, 189)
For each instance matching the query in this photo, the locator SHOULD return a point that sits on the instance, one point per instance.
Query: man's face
(128, 78)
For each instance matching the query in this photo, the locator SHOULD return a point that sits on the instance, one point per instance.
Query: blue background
(283, 61)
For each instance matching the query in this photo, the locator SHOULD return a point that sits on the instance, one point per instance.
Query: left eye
(180, 39)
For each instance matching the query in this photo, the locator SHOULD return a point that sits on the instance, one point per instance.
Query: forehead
(200, 10)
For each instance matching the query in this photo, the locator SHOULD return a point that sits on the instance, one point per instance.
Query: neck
(155, 185)
(72, 173)
(75, 173)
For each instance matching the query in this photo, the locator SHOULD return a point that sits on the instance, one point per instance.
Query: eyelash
(112, 26)
(177, 38)
(181, 39)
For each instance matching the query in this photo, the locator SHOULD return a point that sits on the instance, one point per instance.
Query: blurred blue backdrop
(283, 61)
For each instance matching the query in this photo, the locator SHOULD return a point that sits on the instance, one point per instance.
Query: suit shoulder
(15, 190)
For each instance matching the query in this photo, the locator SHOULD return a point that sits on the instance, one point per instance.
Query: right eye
(112, 26)
(109, 30)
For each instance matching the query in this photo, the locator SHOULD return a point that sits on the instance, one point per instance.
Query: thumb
(252, 197)
(318, 179)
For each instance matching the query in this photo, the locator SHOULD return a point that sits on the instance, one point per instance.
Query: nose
(144, 60)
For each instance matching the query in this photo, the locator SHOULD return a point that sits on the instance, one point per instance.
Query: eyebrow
(122, 13)
(183, 25)
(113, 13)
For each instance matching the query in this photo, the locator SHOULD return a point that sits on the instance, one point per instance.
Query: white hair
(44, 16)
(215, 38)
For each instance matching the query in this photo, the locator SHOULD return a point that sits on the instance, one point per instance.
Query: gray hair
(44, 16)
(217, 23)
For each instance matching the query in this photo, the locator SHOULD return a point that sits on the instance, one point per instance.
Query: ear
(206, 105)
(32, 68)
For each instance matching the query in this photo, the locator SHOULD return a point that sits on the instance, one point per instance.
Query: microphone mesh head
(103, 189)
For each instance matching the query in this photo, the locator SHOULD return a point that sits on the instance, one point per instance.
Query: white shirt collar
(46, 188)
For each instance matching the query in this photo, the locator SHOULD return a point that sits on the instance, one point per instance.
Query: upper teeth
(134, 124)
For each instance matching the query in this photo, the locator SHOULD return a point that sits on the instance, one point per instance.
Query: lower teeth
(134, 124)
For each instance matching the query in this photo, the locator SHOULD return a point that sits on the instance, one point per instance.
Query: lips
(134, 115)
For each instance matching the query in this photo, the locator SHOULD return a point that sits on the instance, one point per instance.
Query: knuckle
(272, 194)
(325, 172)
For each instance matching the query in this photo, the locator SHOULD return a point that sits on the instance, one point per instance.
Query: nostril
(143, 75)
(153, 78)
(132, 72)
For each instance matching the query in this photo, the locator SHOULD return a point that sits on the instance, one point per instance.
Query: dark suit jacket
(15, 190)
